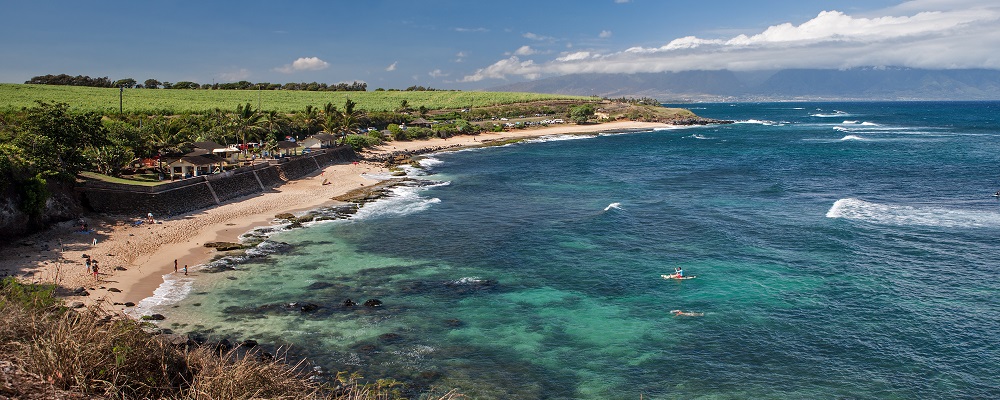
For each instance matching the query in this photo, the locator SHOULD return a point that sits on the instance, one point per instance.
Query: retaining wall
(205, 191)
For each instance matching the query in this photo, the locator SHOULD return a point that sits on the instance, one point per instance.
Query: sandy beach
(132, 259)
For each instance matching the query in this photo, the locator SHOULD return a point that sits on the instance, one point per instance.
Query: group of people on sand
(92, 267)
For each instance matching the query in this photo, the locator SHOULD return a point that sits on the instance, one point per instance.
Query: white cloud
(460, 56)
(233, 76)
(437, 74)
(916, 34)
(392, 67)
(304, 64)
(604, 34)
(535, 36)
(525, 51)
(502, 68)
(471, 30)
(580, 55)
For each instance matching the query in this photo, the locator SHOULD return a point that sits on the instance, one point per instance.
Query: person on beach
(185, 269)
(149, 218)
(96, 277)
(95, 242)
(175, 265)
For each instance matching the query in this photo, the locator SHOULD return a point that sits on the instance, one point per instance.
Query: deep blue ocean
(842, 250)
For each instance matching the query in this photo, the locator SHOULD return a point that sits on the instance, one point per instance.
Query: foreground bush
(89, 354)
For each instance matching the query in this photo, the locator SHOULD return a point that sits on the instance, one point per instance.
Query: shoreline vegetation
(133, 258)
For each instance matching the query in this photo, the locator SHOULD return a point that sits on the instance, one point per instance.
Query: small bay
(840, 249)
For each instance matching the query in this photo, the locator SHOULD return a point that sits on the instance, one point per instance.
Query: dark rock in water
(272, 308)
(154, 317)
(430, 375)
(223, 346)
(224, 246)
(128, 304)
(373, 303)
(304, 307)
(232, 278)
(249, 343)
(176, 340)
(285, 216)
(390, 337)
(454, 322)
(368, 348)
(319, 285)
(349, 303)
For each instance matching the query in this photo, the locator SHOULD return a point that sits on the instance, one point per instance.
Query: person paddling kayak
(678, 274)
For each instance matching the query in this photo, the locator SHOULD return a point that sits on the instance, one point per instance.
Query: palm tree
(245, 122)
(275, 123)
(349, 117)
(309, 120)
(331, 118)
(404, 107)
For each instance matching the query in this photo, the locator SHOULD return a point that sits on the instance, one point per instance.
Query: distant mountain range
(890, 83)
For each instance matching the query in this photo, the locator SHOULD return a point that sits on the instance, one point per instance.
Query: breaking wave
(887, 214)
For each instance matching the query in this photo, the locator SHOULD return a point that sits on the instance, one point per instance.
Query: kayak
(680, 278)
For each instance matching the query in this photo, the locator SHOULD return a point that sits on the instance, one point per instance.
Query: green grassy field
(161, 101)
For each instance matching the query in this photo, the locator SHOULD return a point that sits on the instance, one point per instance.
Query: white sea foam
(755, 121)
(557, 138)
(171, 291)
(616, 206)
(697, 136)
(403, 200)
(469, 280)
(428, 162)
(835, 114)
(886, 214)
(852, 137)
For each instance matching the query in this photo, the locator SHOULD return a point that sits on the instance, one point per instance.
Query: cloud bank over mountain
(925, 34)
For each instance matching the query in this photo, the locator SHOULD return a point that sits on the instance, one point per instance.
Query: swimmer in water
(679, 313)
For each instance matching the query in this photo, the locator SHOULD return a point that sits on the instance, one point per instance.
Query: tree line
(52, 142)
(105, 82)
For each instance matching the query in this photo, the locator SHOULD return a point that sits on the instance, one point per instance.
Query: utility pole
(121, 101)
(258, 97)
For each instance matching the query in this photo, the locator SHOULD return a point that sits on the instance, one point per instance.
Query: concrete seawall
(205, 191)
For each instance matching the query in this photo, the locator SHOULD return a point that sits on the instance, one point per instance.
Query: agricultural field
(177, 101)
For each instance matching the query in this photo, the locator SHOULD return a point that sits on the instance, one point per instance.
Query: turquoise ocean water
(842, 250)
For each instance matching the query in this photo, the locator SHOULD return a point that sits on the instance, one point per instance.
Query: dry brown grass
(90, 354)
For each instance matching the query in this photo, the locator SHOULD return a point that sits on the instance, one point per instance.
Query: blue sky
(473, 44)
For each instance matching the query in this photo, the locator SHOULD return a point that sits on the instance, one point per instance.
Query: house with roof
(320, 140)
(196, 163)
(228, 153)
(286, 148)
(420, 122)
